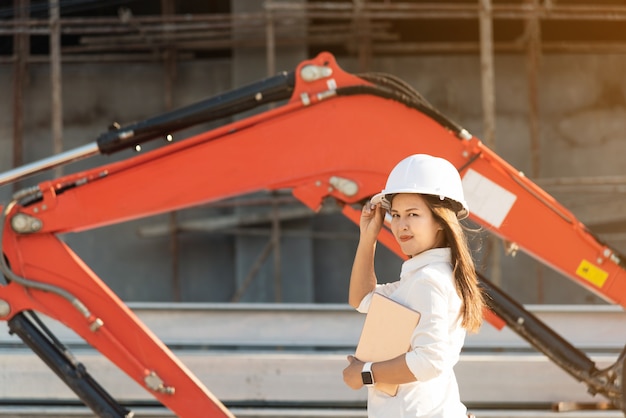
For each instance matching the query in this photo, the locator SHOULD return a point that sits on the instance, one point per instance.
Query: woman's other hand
(352, 373)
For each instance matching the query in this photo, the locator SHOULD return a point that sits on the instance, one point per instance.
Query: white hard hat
(424, 174)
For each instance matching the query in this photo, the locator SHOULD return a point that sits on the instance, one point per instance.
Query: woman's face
(413, 224)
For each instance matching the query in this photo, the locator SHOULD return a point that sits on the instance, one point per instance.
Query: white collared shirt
(426, 285)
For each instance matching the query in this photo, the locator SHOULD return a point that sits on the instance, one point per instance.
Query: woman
(424, 197)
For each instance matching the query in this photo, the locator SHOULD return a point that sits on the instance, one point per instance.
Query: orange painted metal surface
(305, 145)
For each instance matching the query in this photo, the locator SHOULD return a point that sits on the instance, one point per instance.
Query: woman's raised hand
(372, 217)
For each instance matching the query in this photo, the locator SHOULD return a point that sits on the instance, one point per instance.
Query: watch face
(367, 378)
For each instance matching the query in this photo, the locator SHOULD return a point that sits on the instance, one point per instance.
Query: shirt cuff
(364, 306)
(421, 368)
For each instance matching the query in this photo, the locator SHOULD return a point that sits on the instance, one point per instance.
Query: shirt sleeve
(385, 289)
(430, 342)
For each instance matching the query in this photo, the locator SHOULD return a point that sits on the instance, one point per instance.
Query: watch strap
(366, 374)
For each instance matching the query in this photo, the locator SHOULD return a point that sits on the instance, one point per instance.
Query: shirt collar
(434, 255)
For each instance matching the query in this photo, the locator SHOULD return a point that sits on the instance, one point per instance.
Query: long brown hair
(463, 264)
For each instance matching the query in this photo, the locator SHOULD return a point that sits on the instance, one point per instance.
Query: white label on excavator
(486, 199)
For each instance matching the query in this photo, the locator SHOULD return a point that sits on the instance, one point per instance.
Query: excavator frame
(291, 144)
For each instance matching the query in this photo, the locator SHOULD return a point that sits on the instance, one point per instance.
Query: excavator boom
(329, 134)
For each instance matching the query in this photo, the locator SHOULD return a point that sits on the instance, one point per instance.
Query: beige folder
(386, 334)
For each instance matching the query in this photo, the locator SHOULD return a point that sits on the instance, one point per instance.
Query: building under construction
(538, 81)
(541, 82)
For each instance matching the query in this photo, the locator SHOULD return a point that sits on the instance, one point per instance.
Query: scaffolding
(362, 28)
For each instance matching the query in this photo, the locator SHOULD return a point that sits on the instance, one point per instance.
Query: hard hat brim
(379, 199)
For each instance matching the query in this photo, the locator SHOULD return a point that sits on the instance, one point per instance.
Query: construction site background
(541, 82)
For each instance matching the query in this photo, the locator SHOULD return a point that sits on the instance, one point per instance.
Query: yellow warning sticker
(592, 273)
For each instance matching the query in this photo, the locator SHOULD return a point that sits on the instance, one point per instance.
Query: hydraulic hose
(391, 87)
(10, 275)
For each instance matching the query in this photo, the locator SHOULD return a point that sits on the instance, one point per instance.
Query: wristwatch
(367, 375)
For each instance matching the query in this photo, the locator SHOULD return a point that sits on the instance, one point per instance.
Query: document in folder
(386, 334)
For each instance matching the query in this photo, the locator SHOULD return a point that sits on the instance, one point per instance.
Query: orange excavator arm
(330, 134)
